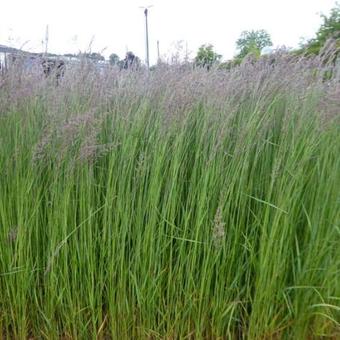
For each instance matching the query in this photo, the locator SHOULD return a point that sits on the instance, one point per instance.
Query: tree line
(250, 43)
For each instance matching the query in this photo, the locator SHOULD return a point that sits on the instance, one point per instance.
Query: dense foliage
(206, 56)
(253, 42)
(114, 59)
(173, 204)
(330, 29)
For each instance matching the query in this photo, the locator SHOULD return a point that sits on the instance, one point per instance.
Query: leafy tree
(229, 64)
(206, 56)
(131, 61)
(252, 42)
(70, 55)
(114, 59)
(94, 56)
(330, 28)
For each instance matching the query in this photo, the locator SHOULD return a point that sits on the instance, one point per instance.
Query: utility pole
(158, 54)
(147, 38)
(46, 40)
(147, 59)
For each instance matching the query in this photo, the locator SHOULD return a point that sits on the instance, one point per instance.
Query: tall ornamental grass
(174, 204)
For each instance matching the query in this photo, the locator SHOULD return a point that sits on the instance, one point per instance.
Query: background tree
(252, 42)
(330, 28)
(131, 61)
(114, 59)
(70, 55)
(206, 56)
(94, 56)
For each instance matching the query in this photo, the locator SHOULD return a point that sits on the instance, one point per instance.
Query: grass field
(175, 204)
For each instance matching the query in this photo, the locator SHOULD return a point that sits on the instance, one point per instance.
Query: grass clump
(178, 204)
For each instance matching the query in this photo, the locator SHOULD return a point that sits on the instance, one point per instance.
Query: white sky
(115, 26)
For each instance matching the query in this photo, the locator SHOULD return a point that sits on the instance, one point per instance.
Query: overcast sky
(118, 26)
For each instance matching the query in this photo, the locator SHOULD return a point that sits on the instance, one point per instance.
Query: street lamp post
(147, 59)
(147, 38)
(158, 54)
(46, 40)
